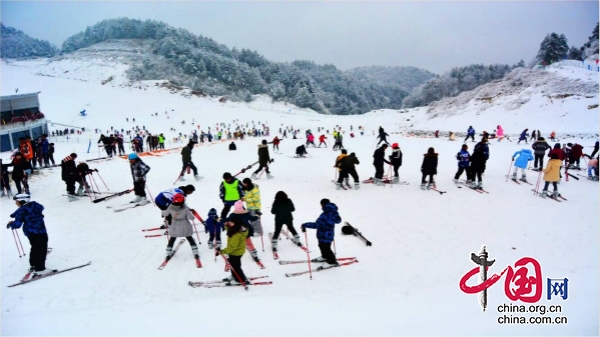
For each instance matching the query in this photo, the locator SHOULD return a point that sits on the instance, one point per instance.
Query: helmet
(22, 197)
(395, 146)
(132, 156)
(179, 198)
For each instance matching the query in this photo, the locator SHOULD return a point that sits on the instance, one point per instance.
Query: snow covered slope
(408, 279)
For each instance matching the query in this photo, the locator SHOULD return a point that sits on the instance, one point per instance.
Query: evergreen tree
(574, 53)
(553, 48)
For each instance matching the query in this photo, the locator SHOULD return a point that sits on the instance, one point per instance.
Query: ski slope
(407, 280)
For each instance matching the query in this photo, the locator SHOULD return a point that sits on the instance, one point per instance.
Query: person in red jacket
(575, 155)
(322, 140)
(276, 143)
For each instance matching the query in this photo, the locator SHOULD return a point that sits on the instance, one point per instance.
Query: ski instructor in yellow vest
(230, 191)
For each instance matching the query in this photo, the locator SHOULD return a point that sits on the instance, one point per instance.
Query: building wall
(10, 134)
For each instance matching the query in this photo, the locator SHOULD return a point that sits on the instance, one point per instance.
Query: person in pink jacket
(500, 133)
(310, 139)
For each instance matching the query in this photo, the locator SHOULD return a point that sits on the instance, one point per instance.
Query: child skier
(282, 208)
(463, 162)
(429, 168)
(240, 212)
(593, 167)
(29, 215)
(20, 173)
(236, 247)
(551, 175)
(322, 140)
(478, 160)
(396, 159)
(165, 198)
(523, 136)
(325, 226)
(213, 227)
(523, 158)
(180, 226)
(5, 186)
(138, 172)
(349, 169)
(252, 199)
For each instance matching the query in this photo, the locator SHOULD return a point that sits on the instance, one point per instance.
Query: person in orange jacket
(552, 175)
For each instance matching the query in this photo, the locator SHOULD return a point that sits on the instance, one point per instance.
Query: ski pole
(215, 229)
(262, 241)
(98, 173)
(508, 174)
(334, 250)
(181, 174)
(235, 273)
(94, 184)
(20, 244)
(151, 197)
(308, 254)
(537, 185)
(85, 186)
(14, 237)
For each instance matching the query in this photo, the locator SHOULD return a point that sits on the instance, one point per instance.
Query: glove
(95, 170)
(513, 159)
(217, 251)
(259, 213)
(303, 229)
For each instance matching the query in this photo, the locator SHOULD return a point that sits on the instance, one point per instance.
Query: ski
(153, 229)
(306, 261)
(477, 189)
(112, 196)
(435, 189)
(167, 259)
(572, 176)
(472, 188)
(31, 270)
(128, 207)
(223, 285)
(275, 255)
(457, 184)
(198, 284)
(51, 274)
(320, 269)
(260, 264)
(287, 235)
(359, 234)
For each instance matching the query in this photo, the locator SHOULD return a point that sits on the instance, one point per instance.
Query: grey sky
(431, 35)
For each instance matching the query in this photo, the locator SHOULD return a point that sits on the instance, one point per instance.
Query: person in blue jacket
(325, 226)
(470, 133)
(523, 136)
(30, 217)
(463, 162)
(214, 228)
(523, 158)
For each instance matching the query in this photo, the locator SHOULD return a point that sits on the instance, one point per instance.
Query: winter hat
(264, 141)
(212, 213)
(132, 156)
(395, 146)
(22, 197)
(238, 207)
(324, 202)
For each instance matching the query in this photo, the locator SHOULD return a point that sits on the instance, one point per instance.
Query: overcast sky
(431, 35)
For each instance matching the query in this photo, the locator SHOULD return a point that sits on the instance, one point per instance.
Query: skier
(524, 157)
(230, 191)
(470, 133)
(263, 160)
(82, 170)
(119, 140)
(382, 136)
(451, 136)
(213, 227)
(4, 180)
(539, 148)
(247, 220)
(534, 136)
(232, 147)
(551, 175)
(523, 136)
(252, 199)
(463, 157)
(338, 142)
(322, 140)
(44, 146)
(107, 144)
(396, 159)
(478, 160)
(575, 155)
(378, 160)
(310, 139)
(552, 136)
(51, 154)
(348, 169)
(236, 247)
(500, 133)
(282, 208)
(186, 157)
(29, 216)
(165, 198)
(69, 174)
(276, 144)
(429, 168)
(437, 133)
(138, 172)
(301, 151)
(325, 226)
(180, 225)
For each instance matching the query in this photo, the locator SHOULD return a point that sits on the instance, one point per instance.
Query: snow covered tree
(553, 48)
(574, 53)
(591, 47)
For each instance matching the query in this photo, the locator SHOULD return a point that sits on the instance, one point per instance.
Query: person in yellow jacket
(252, 199)
(552, 175)
(236, 247)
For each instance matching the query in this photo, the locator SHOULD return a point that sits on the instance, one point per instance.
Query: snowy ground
(406, 281)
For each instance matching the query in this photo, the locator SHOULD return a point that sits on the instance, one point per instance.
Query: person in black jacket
(348, 169)
(478, 160)
(378, 160)
(382, 136)
(539, 151)
(107, 144)
(263, 159)
(396, 159)
(282, 208)
(82, 170)
(429, 168)
(301, 151)
(5, 186)
(21, 171)
(69, 174)
(232, 147)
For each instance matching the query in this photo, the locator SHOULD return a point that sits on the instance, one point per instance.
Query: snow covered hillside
(561, 99)
(409, 278)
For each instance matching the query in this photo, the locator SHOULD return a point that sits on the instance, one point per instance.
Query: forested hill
(17, 44)
(205, 65)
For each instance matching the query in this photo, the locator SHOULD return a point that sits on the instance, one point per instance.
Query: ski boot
(455, 181)
(514, 176)
(378, 182)
(338, 186)
(169, 253)
(296, 240)
(269, 176)
(356, 185)
(479, 186)
(43, 272)
(555, 194)
(543, 194)
(72, 197)
(429, 186)
(182, 179)
(347, 181)
(218, 245)
(253, 176)
(143, 201)
(423, 186)
(211, 245)
(80, 191)
(319, 259)
(136, 199)
(523, 178)
(274, 245)
(197, 177)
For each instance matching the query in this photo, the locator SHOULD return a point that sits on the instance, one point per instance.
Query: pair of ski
(464, 182)
(222, 284)
(123, 207)
(276, 254)
(550, 196)
(519, 181)
(344, 187)
(26, 278)
(168, 258)
(31, 270)
(326, 267)
(385, 181)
